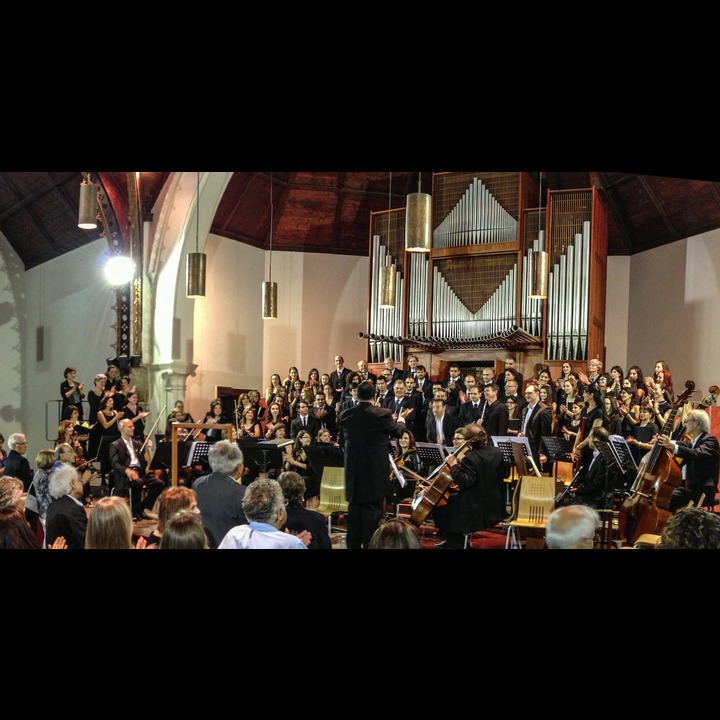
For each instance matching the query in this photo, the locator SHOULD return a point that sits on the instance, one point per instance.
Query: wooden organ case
(467, 299)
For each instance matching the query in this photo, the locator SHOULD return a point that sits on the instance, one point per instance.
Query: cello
(433, 490)
(646, 509)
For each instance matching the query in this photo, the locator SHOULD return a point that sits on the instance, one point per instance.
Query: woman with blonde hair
(110, 525)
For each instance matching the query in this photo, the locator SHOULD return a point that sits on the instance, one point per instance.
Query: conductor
(367, 429)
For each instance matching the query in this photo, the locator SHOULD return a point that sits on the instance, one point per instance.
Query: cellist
(701, 462)
(478, 502)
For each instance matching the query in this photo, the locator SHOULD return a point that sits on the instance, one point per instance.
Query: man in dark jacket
(477, 495)
(367, 430)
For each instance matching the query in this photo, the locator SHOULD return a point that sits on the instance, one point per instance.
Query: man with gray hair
(16, 464)
(572, 528)
(701, 462)
(66, 516)
(220, 494)
(264, 507)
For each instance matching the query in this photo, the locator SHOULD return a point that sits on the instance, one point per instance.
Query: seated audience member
(110, 525)
(184, 531)
(66, 516)
(395, 534)
(264, 507)
(299, 518)
(573, 527)
(220, 493)
(691, 528)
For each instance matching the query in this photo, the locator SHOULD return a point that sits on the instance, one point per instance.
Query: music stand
(260, 456)
(432, 454)
(558, 450)
(198, 453)
(506, 446)
(162, 459)
(624, 456)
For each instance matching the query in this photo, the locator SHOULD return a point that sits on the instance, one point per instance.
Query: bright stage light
(119, 270)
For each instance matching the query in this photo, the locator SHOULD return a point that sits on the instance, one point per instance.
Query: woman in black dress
(593, 415)
(133, 411)
(215, 415)
(72, 392)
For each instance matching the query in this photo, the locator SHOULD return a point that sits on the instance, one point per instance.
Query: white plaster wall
(617, 300)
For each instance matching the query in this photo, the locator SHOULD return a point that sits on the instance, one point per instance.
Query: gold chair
(332, 494)
(533, 501)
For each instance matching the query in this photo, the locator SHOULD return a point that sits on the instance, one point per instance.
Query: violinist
(407, 456)
(701, 462)
(477, 494)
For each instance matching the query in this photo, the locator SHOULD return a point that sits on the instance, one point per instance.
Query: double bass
(647, 508)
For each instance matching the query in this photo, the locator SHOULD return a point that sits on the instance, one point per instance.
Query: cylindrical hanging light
(418, 210)
(195, 276)
(269, 288)
(87, 212)
(387, 287)
(538, 274)
(269, 301)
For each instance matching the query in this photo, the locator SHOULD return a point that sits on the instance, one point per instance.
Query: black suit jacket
(329, 420)
(65, 517)
(540, 425)
(703, 462)
(300, 518)
(468, 413)
(337, 380)
(387, 400)
(313, 426)
(593, 482)
(405, 403)
(18, 466)
(367, 430)
(120, 460)
(450, 425)
(495, 422)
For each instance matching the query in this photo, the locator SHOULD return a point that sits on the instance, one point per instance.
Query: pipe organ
(471, 291)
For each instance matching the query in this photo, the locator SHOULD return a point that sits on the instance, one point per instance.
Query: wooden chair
(533, 501)
(332, 494)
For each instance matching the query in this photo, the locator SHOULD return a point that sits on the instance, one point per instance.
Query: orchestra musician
(701, 461)
(407, 456)
(129, 471)
(476, 500)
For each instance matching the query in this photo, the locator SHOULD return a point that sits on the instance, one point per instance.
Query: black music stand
(320, 456)
(505, 444)
(624, 455)
(432, 455)
(198, 454)
(259, 457)
(162, 459)
(558, 450)
(103, 456)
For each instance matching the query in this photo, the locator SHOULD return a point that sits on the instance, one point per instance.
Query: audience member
(220, 493)
(395, 534)
(299, 518)
(264, 507)
(12, 493)
(170, 501)
(17, 464)
(38, 497)
(184, 531)
(110, 525)
(66, 515)
(3, 454)
(573, 527)
(15, 533)
(691, 528)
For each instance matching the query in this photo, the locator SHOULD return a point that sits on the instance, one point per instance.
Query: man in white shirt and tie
(129, 471)
(304, 421)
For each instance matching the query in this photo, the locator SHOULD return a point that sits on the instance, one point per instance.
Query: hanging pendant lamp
(196, 262)
(418, 212)
(269, 288)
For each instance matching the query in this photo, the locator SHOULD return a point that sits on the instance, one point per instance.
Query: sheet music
(400, 478)
(622, 450)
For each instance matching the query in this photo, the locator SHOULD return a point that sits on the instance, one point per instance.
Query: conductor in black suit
(367, 430)
(535, 421)
(701, 461)
(129, 469)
